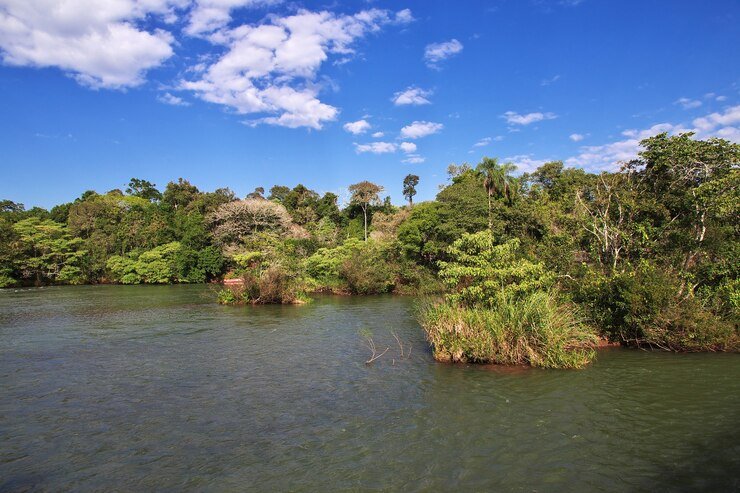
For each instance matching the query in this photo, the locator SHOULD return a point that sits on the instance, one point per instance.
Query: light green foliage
(47, 252)
(323, 266)
(168, 263)
(480, 271)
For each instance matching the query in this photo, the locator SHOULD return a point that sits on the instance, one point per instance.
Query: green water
(145, 388)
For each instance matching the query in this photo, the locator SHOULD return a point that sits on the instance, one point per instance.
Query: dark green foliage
(144, 189)
(645, 306)
(366, 272)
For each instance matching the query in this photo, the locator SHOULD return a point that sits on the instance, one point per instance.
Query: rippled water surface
(144, 388)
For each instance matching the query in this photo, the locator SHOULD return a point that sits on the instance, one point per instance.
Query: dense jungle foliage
(646, 256)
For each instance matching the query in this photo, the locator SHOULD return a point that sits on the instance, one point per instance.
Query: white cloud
(407, 147)
(376, 148)
(358, 127)
(721, 98)
(576, 137)
(420, 129)
(609, 156)
(385, 147)
(551, 80)
(412, 95)
(414, 159)
(378, 135)
(709, 123)
(208, 16)
(100, 44)
(528, 118)
(514, 118)
(271, 68)
(525, 163)
(168, 98)
(437, 52)
(483, 142)
(687, 103)
(404, 16)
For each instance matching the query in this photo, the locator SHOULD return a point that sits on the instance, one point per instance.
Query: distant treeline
(647, 254)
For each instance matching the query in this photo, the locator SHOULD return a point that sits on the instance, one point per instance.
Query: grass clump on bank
(502, 309)
(535, 330)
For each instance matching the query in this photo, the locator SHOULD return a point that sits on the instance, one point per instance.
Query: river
(157, 388)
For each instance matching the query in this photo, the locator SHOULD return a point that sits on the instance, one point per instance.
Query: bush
(534, 329)
(500, 310)
(645, 306)
(366, 273)
(271, 285)
(479, 270)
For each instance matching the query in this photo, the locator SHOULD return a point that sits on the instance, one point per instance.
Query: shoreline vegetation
(528, 270)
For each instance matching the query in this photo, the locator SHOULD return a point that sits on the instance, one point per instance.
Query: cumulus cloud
(412, 96)
(207, 16)
(377, 135)
(376, 148)
(385, 147)
(608, 156)
(706, 124)
(168, 98)
(407, 147)
(438, 52)
(687, 103)
(576, 137)
(420, 129)
(271, 68)
(483, 142)
(358, 127)
(414, 159)
(514, 118)
(525, 163)
(100, 44)
(404, 16)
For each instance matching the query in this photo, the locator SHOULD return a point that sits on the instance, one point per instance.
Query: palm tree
(497, 181)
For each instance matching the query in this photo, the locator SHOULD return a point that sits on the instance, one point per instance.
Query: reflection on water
(157, 388)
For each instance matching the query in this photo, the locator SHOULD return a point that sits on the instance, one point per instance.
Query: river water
(157, 388)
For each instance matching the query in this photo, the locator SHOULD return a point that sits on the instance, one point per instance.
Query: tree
(234, 221)
(179, 195)
(47, 251)
(144, 189)
(365, 194)
(257, 194)
(409, 188)
(497, 181)
(278, 193)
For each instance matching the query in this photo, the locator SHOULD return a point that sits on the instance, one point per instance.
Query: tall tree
(409, 188)
(497, 181)
(144, 189)
(180, 194)
(257, 194)
(364, 194)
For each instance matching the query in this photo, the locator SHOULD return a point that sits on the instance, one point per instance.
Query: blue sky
(247, 93)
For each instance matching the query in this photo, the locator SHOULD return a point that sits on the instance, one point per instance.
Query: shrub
(646, 305)
(533, 329)
(500, 310)
(479, 270)
(366, 273)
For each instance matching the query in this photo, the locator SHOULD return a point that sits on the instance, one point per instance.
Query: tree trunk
(364, 212)
(490, 214)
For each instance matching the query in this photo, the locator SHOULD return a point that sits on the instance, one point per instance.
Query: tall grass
(535, 329)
